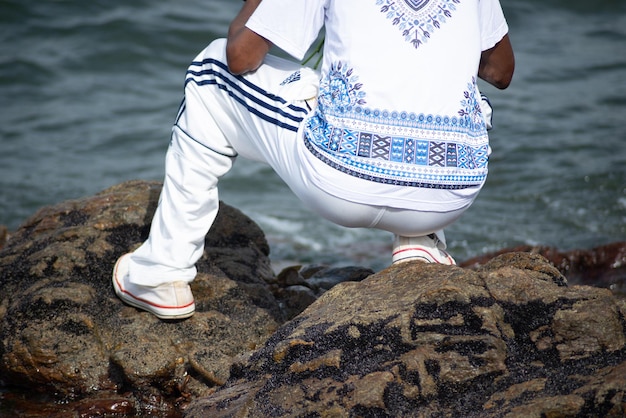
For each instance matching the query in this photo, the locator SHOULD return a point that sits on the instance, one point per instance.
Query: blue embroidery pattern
(417, 19)
(471, 107)
(432, 151)
(340, 89)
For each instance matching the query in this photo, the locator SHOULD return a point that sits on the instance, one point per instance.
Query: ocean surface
(89, 90)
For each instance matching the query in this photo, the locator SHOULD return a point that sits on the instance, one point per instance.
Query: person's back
(398, 101)
(397, 140)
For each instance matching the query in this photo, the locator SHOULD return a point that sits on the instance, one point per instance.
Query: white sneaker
(167, 301)
(426, 248)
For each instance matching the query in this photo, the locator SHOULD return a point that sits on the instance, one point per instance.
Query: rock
(63, 331)
(603, 266)
(417, 340)
(326, 279)
(299, 286)
(4, 235)
(507, 336)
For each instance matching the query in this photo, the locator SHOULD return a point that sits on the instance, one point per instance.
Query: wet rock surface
(510, 339)
(503, 335)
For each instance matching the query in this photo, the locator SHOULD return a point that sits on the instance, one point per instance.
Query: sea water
(89, 91)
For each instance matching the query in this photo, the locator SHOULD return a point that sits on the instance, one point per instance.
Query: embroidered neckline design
(417, 20)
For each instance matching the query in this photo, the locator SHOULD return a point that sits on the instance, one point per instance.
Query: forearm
(497, 64)
(245, 49)
(239, 22)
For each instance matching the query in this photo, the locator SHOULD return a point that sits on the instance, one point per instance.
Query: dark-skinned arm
(497, 64)
(245, 50)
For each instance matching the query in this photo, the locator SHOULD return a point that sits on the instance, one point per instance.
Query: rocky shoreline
(524, 332)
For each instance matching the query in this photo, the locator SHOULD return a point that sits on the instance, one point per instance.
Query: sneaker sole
(160, 311)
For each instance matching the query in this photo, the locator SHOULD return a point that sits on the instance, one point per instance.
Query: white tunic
(398, 106)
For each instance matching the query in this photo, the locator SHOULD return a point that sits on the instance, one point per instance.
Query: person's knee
(217, 47)
(216, 50)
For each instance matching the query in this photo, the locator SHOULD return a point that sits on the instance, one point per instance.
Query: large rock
(417, 340)
(505, 337)
(63, 330)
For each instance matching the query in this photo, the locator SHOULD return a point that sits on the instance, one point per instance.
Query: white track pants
(256, 116)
